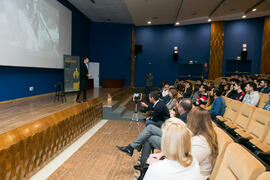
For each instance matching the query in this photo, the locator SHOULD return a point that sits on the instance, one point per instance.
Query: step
(119, 111)
(108, 109)
(116, 114)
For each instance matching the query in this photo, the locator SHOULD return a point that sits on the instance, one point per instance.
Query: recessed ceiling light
(244, 16)
(177, 23)
(254, 10)
(149, 22)
(209, 20)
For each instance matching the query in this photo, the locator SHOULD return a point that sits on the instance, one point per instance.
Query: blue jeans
(157, 123)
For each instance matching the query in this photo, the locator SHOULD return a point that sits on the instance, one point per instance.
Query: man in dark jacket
(84, 75)
(161, 112)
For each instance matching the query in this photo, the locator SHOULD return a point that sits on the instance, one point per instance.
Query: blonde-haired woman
(176, 147)
(204, 145)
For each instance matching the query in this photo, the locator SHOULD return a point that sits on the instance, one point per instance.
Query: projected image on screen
(34, 33)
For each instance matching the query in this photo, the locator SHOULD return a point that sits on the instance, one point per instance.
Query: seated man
(159, 108)
(264, 86)
(151, 135)
(239, 94)
(218, 106)
(183, 108)
(252, 96)
(202, 97)
(165, 93)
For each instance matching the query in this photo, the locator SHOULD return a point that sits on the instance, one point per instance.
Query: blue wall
(193, 43)
(15, 81)
(237, 33)
(111, 47)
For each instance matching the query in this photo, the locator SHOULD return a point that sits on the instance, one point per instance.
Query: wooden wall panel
(265, 60)
(216, 50)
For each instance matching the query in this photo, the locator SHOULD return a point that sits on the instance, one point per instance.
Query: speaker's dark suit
(83, 81)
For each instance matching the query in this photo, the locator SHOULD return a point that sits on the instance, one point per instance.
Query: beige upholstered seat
(263, 145)
(223, 141)
(232, 110)
(258, 126)
(238, 164)
(264, 176)
(263, 99)
(243, 118)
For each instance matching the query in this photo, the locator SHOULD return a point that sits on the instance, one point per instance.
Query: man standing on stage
(84, 75)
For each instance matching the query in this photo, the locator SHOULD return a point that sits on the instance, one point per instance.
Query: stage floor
(16, 114)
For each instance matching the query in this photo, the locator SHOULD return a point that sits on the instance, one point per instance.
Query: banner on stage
(71, 73)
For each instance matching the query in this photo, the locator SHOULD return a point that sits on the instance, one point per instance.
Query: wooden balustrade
(23, 151)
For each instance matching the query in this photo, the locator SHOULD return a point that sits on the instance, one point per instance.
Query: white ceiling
(138, 12)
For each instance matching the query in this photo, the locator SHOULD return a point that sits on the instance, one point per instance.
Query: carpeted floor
(98, 158)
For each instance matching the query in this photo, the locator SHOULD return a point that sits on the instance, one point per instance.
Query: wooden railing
(23, 151)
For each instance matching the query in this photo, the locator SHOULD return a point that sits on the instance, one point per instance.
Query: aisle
(98, 158)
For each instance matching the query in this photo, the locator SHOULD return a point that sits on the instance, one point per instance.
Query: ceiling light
(254, 10)
(244, 16)
(149, 22)
(177, 23)
(209, 20)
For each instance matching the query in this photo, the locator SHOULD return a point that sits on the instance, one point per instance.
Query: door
(94, 70)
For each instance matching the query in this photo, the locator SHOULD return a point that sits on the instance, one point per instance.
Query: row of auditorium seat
(247, 124)
(244, 142)
(234, 162)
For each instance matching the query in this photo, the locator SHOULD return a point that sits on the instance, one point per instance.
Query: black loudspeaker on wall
(175, 56)
(138, 49)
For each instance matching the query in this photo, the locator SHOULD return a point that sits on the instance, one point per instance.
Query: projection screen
(34, 33)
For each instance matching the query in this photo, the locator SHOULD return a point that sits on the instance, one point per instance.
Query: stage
(18, 113)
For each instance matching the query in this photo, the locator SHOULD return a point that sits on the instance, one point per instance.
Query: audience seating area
(243, 134)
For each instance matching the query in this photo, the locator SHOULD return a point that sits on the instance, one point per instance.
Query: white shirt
(202, 152)
(252, 98)
(86, 65)
(172, 170)
(165, 93)
(155, 103)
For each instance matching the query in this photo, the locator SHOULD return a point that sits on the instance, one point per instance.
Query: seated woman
(210, 99)
(230, 92)
(204, 146)
(188, 90)
(176, 147)
(173, 98)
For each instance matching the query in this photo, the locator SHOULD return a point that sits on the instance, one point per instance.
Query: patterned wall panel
(265, 62)
(216, 50)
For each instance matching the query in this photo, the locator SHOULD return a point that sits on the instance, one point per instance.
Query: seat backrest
(259, 124)
(238, 164)
(223, 141)
(266, 140)
(264, 176)
(234, 109)
(244, 116)
(263, 99)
